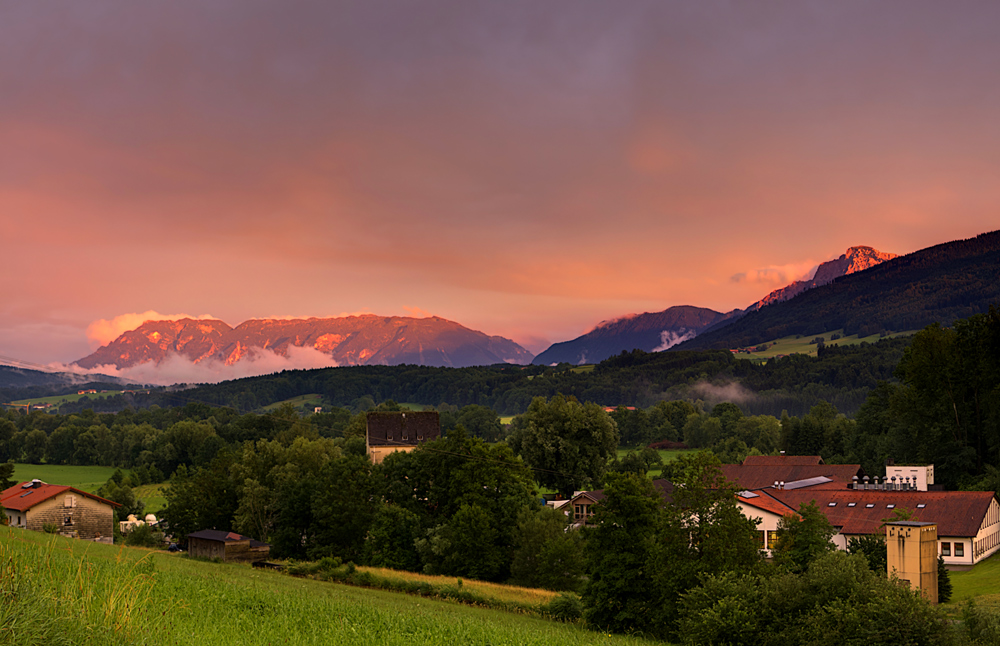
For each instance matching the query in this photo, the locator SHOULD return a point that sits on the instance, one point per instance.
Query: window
(890, 506)
(405, 437)
(852, 504)
(921, 506)
(831, 504)
(577, 510)
(869, 505)
(772, 540)
(959, 549)
(945, 548)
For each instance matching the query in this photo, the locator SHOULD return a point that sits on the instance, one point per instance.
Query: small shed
(226, 546)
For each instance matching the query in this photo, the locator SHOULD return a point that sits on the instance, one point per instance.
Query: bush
(565, 607)
(981, 625)
(50, 528)
(144, 536)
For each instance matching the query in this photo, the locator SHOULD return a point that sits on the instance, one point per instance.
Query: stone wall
(73, 515)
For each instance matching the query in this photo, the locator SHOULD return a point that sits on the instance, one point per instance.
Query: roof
(956, 513)
(402, 429)
(782, 460)
(663, 487)
(758, 476)
(765, 503)
(21, 498)
(221, 536)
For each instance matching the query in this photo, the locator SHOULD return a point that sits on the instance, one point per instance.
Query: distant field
(309, 401)
(667, 455)
(88, 479)
(584, 368)
(496, 591)
(56, 400)
(152, 495)
(801, 345)
(172, 599)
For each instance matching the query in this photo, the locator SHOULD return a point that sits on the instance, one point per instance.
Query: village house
(226, 546)
(36, 505)
(390, 432)
(772, 487)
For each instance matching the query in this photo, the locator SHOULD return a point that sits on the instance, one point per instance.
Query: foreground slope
(176, 600)
(935, 285)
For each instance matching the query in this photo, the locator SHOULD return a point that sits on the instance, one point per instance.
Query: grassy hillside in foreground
(182, 601)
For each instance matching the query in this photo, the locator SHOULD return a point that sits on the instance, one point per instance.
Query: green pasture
(981, 583)
(56, 400)
(589, 367)
(87, 593)
(800, 344)
(152, 496)
(88, 479)
(309, 402)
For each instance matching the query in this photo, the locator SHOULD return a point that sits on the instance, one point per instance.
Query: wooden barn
(226, 546)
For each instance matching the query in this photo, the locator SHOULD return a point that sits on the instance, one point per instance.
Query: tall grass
(53, 597)
(176, 600)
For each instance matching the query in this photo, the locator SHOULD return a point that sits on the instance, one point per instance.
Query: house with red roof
(36, 505)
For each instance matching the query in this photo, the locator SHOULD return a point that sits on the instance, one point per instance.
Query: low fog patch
(670, 338)
(176, 369)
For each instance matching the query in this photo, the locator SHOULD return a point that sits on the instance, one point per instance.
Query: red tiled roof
(957, 513)
(749, 476)
(17, 498)
(782, 460)
(767, 503)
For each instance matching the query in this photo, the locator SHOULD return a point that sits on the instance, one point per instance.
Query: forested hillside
(840, 375)
(940, 284)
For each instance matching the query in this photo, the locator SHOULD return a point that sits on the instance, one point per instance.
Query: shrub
(565, 607)
(144, 536)
(50, 528)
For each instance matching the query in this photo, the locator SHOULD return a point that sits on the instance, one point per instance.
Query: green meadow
(88, 479)
(56, 400)
(801, 344)
(309, 402)
(981, 583)
(76, 592)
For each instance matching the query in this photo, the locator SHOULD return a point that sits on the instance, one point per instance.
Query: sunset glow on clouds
(526, 169)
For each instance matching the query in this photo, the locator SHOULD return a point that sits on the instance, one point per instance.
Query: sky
(525, 168)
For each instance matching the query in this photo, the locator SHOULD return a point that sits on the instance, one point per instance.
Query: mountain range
(658, 331)
(350, 340)
(862, 291)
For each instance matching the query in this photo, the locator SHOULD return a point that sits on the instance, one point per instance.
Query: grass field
(154, 597)
(496, 591)
(56, 400)
(982, 582)
(310, 402)
(152, 495)
(795, 345)
(88, 479)
(667, 455)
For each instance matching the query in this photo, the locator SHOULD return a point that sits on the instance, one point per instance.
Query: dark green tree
(944, 581)
(618, 595)
(343, 508)
(7, 475)
(569, 444)
(391, 539)
(701, 532)
(546, 555)
(803, 538)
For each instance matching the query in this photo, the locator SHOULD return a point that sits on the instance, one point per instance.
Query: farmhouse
(390, 432)
(74, 513)
(582, 504)
(226, 546)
